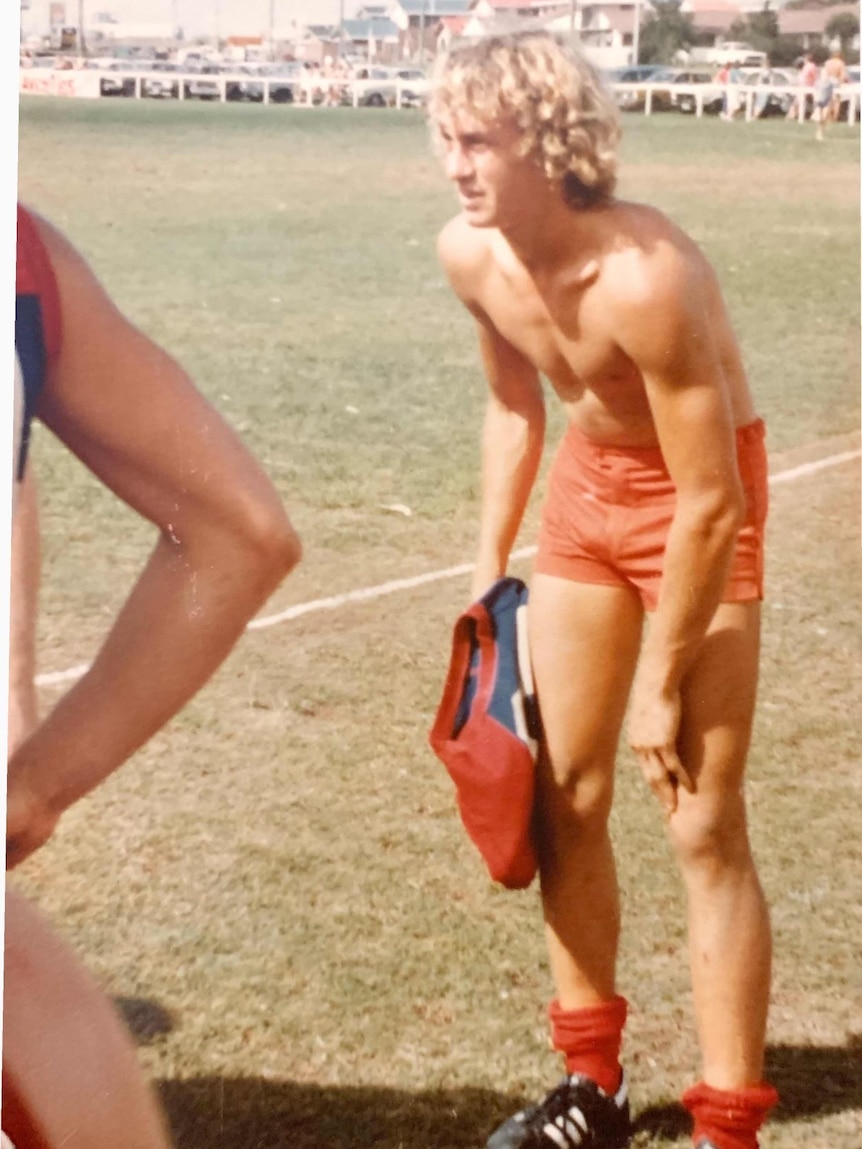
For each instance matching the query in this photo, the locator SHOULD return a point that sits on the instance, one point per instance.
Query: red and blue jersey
(37, 329)
(487, 730)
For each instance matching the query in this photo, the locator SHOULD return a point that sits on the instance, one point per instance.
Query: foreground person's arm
(135, 419)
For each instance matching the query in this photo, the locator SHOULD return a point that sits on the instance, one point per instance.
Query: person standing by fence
(836, 70)
(825, 89)
(808, 73)
(733, 102)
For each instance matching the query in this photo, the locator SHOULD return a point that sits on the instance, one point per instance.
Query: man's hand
(653, 730)
(30, 820)
(484, 577)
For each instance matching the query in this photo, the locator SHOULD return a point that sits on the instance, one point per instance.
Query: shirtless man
(656, 503)
(836, 70)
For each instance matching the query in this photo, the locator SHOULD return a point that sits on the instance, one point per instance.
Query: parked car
(734, 52)
(111, 84)
(378, 86)
(283, 81)
(774, 103)
(246, 89)
(164, 86)
(766, 104)
(204, 86)
(411, 97)
(667, 97)
(631, 101)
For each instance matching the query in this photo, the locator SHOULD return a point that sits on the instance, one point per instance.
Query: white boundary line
(810, 468)
(365, 593)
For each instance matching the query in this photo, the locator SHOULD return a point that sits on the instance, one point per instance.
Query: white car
(735, 52)
(163, 86)
(378, 87)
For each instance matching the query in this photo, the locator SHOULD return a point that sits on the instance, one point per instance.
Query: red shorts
(608, 511)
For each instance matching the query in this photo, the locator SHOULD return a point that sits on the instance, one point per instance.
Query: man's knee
(575, 799)
(710, 837)
(584, 784)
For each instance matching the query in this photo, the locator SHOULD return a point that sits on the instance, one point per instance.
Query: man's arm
(25, 573)
(676, 354)
(133, 416)
(513, 432)
(513, 435)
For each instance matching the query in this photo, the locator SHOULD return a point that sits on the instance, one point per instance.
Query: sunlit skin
(495, 184)
(223, 542)
(623, 315)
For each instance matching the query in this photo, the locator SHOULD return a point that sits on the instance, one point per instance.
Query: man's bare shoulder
(465, 253)
(652, 261)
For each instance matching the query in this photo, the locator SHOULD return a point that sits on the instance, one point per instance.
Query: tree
(843, 26)
(665, 33)
(760, 30)
(763, 28)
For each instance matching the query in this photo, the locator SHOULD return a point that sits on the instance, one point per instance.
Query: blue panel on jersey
(30, 348)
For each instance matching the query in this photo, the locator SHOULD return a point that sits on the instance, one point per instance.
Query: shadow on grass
(815, 1079)
(811, 1080)
(250, 1113)
(146, 1020)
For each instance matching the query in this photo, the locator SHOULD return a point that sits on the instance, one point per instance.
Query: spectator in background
(825, 88)
(733, 102)
(836, 70)
(807, 79)
(761, 98)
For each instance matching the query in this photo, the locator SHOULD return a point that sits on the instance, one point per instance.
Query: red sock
(590, 1039)
(729, 1118)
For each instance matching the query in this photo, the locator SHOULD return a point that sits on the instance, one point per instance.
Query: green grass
(277, 887)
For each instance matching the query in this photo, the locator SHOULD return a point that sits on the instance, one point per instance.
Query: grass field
(277, 890)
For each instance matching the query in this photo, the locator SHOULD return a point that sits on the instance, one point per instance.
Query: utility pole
(82, 43)
(422, 34)
(573, 33)
(636, 39)
(340, 29)
(272, 29)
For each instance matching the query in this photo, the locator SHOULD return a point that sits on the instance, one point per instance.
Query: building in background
(372, 36)
(419, 24)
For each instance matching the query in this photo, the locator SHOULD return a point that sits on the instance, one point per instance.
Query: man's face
(496, 184)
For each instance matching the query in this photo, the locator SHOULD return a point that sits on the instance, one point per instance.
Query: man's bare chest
(569, 340)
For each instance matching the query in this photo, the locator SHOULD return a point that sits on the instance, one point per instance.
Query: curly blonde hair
(568, 123)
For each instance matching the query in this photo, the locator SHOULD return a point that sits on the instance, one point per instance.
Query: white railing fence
(308, 90)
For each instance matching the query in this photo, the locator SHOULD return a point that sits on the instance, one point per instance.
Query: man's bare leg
(729, 932)
(584, 643)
